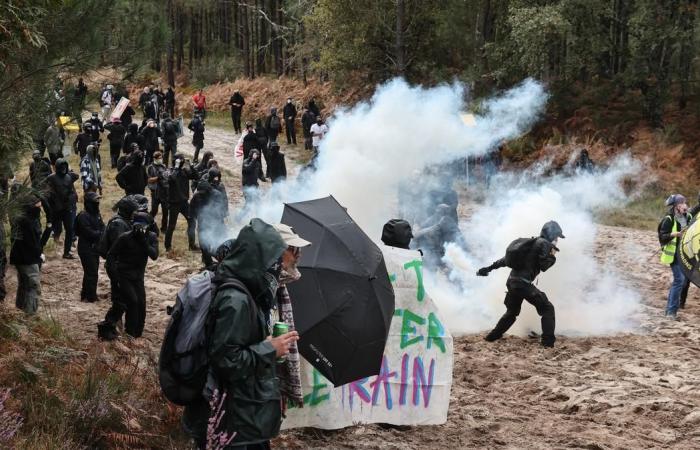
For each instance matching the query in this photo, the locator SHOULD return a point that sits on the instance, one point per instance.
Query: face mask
(272, 278)
(290, 275)
(159, 161)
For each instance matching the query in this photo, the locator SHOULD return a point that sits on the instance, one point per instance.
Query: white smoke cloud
(589, 296)
(374, 146)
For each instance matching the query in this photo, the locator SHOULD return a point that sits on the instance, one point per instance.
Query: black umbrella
(344, 301)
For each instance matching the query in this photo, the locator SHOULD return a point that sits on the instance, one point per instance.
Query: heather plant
(217, 440)
(10, 422)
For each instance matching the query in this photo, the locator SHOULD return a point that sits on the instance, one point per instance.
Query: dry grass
(70, 397)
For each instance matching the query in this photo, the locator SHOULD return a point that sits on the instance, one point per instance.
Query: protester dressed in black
(196, 126)
(276, 167)
(89, 228)
(520, 285)
(130, 254)
(96, 127)
(150, 134)
(62, 200)
(116, 137)
(290, 115)
(158, 185)
(169, 130)
(209, 207)
(117, 225)
(133, 178)
(133, 137)
(178, 198)
(236, 101)
(307, 119)
(82, 140)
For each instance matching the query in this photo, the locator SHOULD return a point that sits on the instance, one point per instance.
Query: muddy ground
(616, 392)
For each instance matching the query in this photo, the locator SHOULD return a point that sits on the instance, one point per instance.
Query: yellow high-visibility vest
(668, 251)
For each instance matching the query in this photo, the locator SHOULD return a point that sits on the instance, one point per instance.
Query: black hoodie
(89, 227)
(133, 178)
(62, 195)
(133, 136)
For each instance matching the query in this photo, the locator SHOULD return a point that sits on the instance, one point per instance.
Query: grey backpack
(183, 362)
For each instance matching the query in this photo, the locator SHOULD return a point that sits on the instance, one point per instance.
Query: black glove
(483, 272)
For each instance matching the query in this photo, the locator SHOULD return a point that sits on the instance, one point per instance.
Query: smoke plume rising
(393, 139)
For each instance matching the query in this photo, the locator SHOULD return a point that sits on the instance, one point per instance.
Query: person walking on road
(290, 116)
(237, 102)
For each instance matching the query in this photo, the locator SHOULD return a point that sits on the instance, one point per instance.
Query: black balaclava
(92, 203)
(137, 157)
(62, 167)
(126, 208)
(214, 177)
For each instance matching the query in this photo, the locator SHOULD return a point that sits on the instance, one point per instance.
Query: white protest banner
(119, 109)
(413, 387)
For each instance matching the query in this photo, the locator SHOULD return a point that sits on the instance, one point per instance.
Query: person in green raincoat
(242, 355)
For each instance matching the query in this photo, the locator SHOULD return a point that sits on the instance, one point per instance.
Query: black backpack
(183, 363)
(518, 252)
(275, 123)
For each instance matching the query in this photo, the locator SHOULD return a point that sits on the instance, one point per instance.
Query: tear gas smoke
(588, 294)
(375, 147)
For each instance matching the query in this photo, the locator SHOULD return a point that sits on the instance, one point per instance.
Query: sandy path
(618, 392)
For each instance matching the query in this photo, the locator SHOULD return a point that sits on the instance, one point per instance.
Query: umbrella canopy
(344, 301)
(689, 252)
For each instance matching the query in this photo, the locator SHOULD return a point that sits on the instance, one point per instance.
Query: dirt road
(613, 392)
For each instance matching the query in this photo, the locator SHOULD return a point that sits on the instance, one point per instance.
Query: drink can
(279, 328)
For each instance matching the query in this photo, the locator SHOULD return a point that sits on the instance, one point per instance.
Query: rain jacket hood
(257, 248)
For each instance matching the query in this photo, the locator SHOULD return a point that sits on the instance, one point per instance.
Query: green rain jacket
(240, 357)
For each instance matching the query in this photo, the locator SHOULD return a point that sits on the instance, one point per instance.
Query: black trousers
(134, 299)
(60, 220)
(90, 261)
(291, 132)
(169, 150)
(155, 201)
(197, 148)
(517, 292)
(175, 209)
(236, 119)
(116, 310)
(115, 149)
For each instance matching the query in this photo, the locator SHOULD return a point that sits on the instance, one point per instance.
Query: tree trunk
(180, 39)
(400, 51)
(276, 41)
(245, 38)
(262, 39)
(171, 44)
